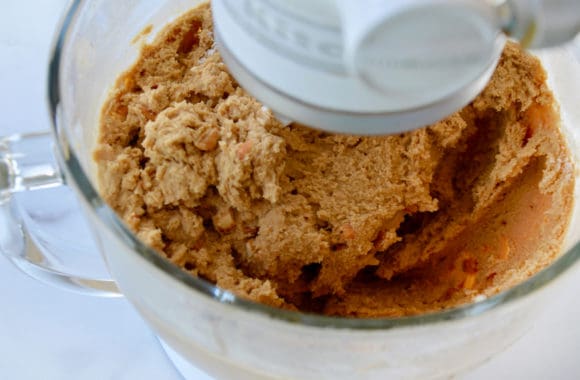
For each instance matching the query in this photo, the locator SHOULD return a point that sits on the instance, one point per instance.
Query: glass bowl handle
(27, 163)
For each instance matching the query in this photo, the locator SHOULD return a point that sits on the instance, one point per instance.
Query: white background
(46, 333)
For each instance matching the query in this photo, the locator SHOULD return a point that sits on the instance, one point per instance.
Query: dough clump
(340, 225)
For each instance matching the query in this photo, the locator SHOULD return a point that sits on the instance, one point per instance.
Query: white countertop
(46, 333)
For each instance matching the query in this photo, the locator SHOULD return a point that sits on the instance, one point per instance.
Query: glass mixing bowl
(224, 335)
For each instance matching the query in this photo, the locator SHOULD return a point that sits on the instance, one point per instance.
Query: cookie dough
(333, 224)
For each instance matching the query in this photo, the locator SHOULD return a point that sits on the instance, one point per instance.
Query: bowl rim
(77, 177)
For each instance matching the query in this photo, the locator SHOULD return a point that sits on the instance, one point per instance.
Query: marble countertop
(46, 333)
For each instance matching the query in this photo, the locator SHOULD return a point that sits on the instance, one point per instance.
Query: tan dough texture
(342, 225)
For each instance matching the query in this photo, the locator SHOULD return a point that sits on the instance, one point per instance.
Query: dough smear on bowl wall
(334, 224)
